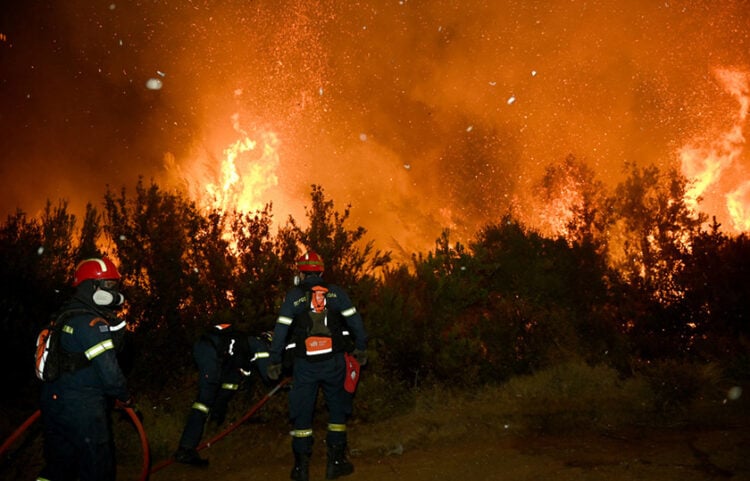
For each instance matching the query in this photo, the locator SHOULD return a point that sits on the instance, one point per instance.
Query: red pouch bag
(352, 373)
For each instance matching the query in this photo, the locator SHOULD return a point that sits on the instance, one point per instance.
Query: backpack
(51, 360)
(319, 332)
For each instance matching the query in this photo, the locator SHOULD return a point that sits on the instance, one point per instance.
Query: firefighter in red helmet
(75, 407)
(322, 324)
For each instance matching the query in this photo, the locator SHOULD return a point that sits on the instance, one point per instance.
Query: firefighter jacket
(317, 335)
(98, 334)
(235, 352)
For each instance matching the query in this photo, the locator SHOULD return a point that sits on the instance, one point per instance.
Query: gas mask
(107, 295)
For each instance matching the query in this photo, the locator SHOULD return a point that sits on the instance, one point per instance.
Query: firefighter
(320, 321)
(225, 358)
(76, 407)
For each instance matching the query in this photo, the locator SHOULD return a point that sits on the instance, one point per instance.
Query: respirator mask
(107, 295)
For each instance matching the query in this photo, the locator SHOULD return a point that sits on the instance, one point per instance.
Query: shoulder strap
(66, 315)
(70, 361)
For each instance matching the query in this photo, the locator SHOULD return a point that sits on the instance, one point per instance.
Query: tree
(171, 264)
(657, 230)
(716, 281)
(575, 204)
(36, 265)
(265, 267)
(347, 261)
(90, 236)
(545, 298)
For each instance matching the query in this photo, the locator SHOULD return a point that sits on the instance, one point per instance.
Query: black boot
(189, 456)
(300, 471)
(338, 465)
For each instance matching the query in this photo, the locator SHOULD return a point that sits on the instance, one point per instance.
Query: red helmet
(310, 262)
(98, 269)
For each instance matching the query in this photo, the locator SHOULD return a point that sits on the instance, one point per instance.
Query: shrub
(574, 396)
(677, 385)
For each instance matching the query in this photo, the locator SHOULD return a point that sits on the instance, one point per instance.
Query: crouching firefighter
(322, 325)
(225, 357)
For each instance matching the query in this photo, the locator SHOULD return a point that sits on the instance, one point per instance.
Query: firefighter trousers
(308, 378)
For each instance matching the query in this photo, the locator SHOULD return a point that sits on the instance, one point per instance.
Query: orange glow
(738, 204)
(419, 115)
(719, 181)
(239, 180)
(559, 211)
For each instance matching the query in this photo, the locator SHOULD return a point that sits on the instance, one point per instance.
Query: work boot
(189, 456)
(338, 465)
(301, 469)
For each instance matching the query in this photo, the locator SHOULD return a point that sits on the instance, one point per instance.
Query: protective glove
(274, 371)
(120, 404)
(123, 405)
(360, 356)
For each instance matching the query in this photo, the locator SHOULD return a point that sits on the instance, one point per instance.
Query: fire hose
(20, 430)
(146, 470)
(207, 444)
(131, 414)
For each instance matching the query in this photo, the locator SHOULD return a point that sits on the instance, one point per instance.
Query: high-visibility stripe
(287, 321)
(118, 326)
(103, 346)
(302, 433)
(318, 353)
(230, 387)
(200, 407)
(339, 428)
(67, 329)
(221, 327)
(260, 355)
(349, 312)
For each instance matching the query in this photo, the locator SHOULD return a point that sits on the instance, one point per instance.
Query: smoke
(421, 115)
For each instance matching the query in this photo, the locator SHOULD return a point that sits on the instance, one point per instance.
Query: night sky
(420, 114)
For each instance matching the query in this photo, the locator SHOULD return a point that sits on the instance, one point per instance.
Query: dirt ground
(449, 444)
(644, 454)
(457, 446)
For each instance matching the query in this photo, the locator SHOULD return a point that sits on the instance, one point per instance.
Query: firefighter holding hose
(76, 404)
(225, 358)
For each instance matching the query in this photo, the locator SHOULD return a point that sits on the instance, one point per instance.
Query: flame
(738, 202)
(714, 170)
(238, 181)
(244, 177)
(558, 195)
(559, 210)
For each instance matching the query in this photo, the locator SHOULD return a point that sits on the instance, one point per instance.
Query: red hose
(146, 466)
(163, 464)
(133, 416)
(23, 427)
